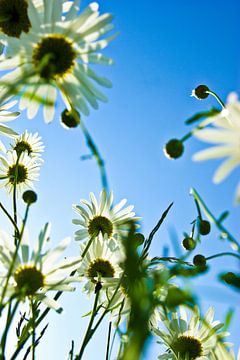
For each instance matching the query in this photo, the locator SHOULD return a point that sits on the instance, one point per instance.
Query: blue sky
(164, 50)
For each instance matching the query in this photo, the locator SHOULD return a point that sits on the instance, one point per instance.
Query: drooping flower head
(55, 54)
(36, 272)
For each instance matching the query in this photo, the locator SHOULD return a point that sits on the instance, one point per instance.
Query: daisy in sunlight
(55, 55)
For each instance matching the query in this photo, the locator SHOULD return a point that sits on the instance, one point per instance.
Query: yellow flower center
(18, 172)
(53, 56)
(100, 267)
(187, 347)
(22, 146)
(100, 224)
(28, 279)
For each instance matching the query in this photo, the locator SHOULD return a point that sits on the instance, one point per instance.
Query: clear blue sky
(163, 51)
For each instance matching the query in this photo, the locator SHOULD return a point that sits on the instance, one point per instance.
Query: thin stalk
(217, 98)
(15, 197)
(198, 209)
(89, 328)
(10, 218)
(33, 328)
(108, 340)
(223, 254)
(10, 316)
(212, 217)
(95, 152)
(19, 237)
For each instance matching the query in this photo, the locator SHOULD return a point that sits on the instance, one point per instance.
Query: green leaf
(223, 216)
(228, 319)
(202, 115)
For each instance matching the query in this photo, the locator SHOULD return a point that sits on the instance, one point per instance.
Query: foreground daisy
(225, 134)
(36, 273)
(100, 265)
(190, 339)
(55, 54)
(102, 217)
(21, 171)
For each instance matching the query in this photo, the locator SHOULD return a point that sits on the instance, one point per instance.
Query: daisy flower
(191, 339)
(38, 272)
(100, 264)
(29, 143)
(55, 54)
(225, 134)
(102, 217)
(6, 116)
(21, 171)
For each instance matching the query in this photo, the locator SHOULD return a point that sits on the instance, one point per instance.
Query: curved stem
(10, 218)
(217, 98)
(212, 217)
(223, 254)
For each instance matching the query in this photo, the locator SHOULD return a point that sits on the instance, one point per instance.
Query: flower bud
(174, 149)
(139, 238)
(70, 119)
(189, 243)
(229, 277)
(204, 227)
(29, 197)
(201, 92)
(199, 260)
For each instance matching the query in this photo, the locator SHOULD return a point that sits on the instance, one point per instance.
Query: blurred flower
(100, 265)
(6, 116)
(36, 273)
(29, 143)
(22, 171)
(55, 54)
(191, 339)
(225, 132)
(121, 304)
(102, 218)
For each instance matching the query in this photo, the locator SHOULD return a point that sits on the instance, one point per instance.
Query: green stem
(217, 98)
(88, 335)
(223, 254)
(10, 218)
(95, 152)
(108, 340)
(103, 314)
(198, 209)
(10, 317)
(33, 329)
(15, 197)
(212, 217)
(19, 237)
